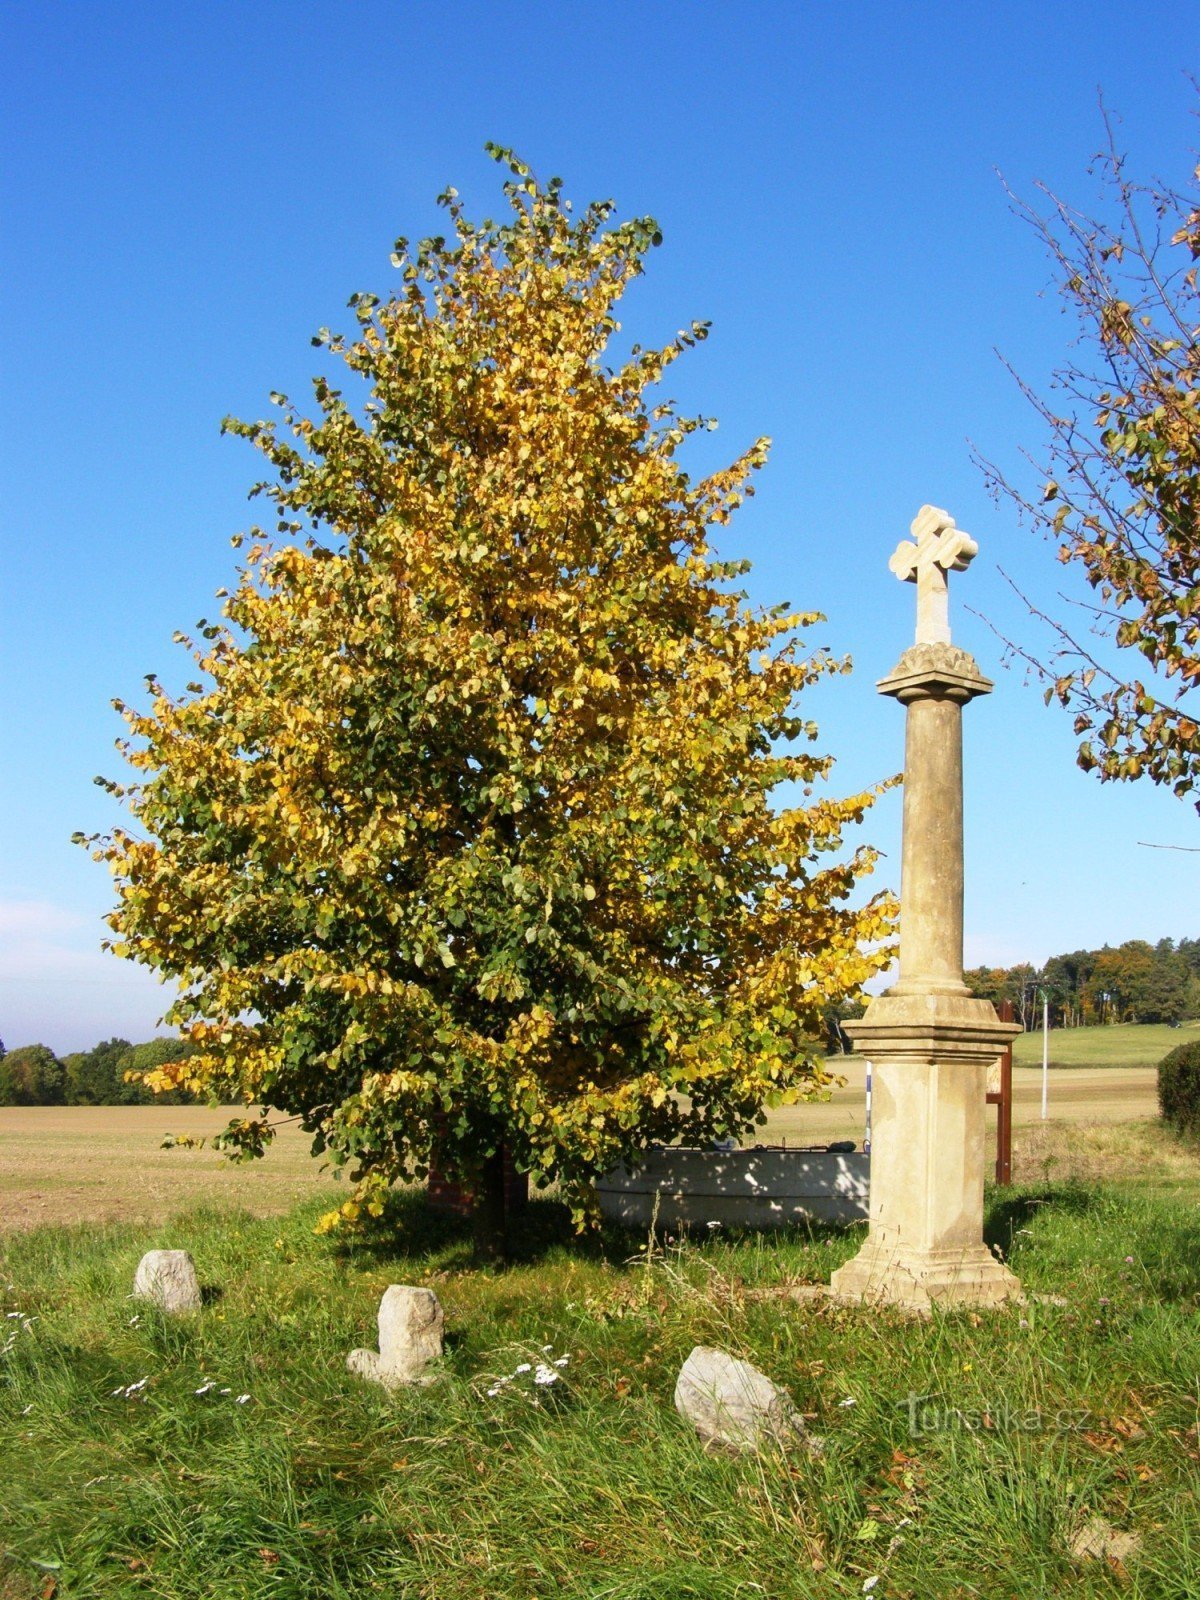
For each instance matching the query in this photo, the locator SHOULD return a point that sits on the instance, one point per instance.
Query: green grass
(322, 1486)
(1126, 1044)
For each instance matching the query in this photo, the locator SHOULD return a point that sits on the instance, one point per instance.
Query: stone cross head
(936, 549)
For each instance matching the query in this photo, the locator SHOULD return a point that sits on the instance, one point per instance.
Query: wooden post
(1003, 1104)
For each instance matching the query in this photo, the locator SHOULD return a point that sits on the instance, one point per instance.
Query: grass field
(107, 1164)
(118, 1477)
(130, 1465)
(1127, 1044)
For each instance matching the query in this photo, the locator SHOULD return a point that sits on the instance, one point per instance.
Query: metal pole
(1045, 1052)
(867, 1140)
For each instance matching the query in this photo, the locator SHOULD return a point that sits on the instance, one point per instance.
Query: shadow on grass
(410, 1232)
(1007, 1211)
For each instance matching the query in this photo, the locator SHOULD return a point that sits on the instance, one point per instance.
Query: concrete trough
(763, 1187)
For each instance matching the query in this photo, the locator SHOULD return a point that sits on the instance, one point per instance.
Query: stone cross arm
(937, 548)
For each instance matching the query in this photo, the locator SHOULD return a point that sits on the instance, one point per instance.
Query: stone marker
(731, 1403)
(168, 1277)
(929, 1041)
(411, 1325)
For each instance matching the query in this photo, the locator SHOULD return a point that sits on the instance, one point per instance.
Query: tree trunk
(489, 1221)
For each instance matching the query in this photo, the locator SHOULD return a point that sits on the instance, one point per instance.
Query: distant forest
(34, 1076)
(1135, 982)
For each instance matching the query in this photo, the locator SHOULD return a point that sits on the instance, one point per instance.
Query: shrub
(1179, 1088)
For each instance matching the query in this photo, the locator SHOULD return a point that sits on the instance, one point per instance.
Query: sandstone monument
(931, 1043)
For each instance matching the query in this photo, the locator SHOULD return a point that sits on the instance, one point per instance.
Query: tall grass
(321, 1485)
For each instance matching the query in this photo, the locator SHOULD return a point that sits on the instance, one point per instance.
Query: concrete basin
(762, 1187)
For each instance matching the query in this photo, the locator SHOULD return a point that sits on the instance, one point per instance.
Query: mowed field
(97, 1164)
(106, 1164)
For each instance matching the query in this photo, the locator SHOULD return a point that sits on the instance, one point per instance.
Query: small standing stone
(168, 1277)
(731, 1403)
(411, 1329)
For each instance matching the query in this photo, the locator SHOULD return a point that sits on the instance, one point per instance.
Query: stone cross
(940, 548)
(929, 1039)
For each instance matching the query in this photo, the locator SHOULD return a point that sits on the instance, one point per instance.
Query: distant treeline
(1135, 982)
(34, 1076)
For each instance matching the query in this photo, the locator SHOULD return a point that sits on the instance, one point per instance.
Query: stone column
(930, 1043)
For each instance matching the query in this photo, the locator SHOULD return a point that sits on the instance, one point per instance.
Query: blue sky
(190, 192)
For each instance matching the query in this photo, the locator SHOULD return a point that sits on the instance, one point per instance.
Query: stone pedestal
(929, 1042)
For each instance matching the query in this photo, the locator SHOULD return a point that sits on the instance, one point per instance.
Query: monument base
(917, 1280)
(931, 1050)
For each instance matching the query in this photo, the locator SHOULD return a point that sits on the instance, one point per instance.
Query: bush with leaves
(1179, 1089)
(466, 835)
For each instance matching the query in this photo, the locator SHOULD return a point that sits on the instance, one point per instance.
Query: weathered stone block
(168, 1278)
(411, 1337)
(731, 1403)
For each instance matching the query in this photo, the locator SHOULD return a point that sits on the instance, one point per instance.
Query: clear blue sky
(189, 192)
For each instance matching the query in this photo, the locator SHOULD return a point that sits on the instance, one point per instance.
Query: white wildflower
(205, 1387)
(242, 1399)
(562, 1361)
(848, 1401)
(545, 1375)
(524, 1367)
(869, 1584)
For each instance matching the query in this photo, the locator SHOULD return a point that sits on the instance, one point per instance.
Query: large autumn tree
(465, 834)
(1120, 476)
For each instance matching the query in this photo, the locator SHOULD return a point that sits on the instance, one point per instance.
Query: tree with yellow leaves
(464, 839)
(1120, 476)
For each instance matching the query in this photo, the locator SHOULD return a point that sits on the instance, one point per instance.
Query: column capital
(935, 672)
(916, 1025)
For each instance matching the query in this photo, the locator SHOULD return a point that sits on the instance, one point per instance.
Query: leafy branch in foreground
(1122, 474)
(465, 836)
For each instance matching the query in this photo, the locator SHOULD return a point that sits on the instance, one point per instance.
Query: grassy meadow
(231, 1454)
(1124, 1044)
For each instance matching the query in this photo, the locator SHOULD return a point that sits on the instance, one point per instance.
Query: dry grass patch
(1104, 1152)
